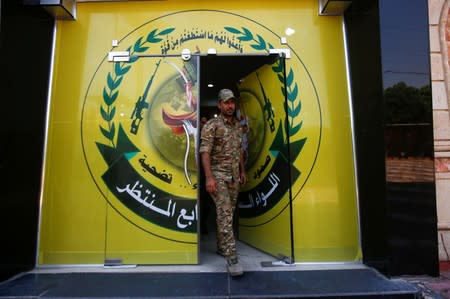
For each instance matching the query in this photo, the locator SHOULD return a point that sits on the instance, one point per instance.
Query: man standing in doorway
(223, 164)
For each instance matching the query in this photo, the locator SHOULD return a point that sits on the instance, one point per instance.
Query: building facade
(114, 94)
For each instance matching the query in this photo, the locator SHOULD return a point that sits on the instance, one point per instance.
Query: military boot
(234, 268)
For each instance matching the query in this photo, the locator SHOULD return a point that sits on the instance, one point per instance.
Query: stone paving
(433, 287)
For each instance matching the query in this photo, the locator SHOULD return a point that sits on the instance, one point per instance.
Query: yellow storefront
(129, 84)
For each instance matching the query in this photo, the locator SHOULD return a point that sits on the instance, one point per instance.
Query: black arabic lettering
(262, 168)
(162, 176)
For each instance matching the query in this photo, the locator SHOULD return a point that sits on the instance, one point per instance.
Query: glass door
(152, 212)
(264, 207)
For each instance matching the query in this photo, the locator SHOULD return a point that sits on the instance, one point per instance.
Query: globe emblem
(170, 109)
(252, 109)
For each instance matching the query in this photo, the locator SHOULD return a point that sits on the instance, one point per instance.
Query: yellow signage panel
(120, 174)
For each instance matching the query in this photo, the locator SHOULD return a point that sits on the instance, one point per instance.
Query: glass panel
(265, 201)
(409, 148)
(152, 178)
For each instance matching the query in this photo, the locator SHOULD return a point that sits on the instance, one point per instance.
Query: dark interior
(224, 71)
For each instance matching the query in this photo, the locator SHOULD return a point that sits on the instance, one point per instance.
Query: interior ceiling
(225, 72)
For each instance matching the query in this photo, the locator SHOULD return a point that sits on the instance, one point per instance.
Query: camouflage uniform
(223, 141)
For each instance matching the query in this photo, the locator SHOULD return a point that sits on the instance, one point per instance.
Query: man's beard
(228, 112)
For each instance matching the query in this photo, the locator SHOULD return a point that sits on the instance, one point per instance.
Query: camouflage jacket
(222, 139)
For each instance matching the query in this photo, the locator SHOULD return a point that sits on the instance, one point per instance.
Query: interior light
(210, 85)
(215, 115)
(289, 31)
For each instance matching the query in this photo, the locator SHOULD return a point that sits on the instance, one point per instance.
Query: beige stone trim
(444, 226)
(442, 176)
(434, 11)
(441, 8)
(439, 95)
(441, 125)
(442, 154)
(441, 147)
(435, 45)
(439, 22)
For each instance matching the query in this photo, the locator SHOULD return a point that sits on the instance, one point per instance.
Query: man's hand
(211, 186)
(210, 183)
(243, 178)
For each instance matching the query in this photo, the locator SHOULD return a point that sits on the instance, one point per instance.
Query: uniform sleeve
(207, 137)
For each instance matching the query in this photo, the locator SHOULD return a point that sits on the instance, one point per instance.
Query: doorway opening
(217, 72)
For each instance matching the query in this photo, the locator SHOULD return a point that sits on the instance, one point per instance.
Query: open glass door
(265, 212)
(152, 212)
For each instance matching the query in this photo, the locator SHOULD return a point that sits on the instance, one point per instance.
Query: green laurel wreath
(113, 81)
(294, 106)
(110, 92)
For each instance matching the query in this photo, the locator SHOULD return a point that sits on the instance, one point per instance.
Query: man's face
(227, 108)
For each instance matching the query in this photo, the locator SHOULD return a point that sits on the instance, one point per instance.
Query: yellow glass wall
(85, 219)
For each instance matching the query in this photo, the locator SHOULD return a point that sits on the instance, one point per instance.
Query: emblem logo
(139, 123)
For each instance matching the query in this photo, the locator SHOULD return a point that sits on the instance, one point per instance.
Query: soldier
(223, 164)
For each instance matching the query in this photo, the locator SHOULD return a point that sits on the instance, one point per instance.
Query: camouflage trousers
(225, 200)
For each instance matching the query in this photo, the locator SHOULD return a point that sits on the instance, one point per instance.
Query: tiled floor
(354, 283)
(250, 258)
